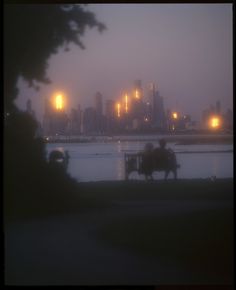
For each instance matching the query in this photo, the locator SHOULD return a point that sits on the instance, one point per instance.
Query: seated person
(161, 154)
(147, 159)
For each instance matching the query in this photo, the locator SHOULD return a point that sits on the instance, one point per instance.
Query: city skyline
(151, 98)
(135, 112)
(186, 49)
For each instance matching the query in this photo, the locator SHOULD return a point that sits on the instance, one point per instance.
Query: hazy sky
(185, 49)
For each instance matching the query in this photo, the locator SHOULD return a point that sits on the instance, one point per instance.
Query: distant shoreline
(178, 139)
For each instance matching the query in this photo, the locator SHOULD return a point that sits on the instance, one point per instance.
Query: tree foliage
(32, 33)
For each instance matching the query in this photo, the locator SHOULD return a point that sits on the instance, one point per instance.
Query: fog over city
(119, 171)
(185, 49)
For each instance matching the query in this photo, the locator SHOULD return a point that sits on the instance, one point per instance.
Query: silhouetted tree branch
(32, 33)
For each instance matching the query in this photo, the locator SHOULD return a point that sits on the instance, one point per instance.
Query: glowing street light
(137, 96)
(215, 122)
(175, 115)
(59, 102)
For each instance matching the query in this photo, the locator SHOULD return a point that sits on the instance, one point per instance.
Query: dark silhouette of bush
(31, 186)
(31, 34)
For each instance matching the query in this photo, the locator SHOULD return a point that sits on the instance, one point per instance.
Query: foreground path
(67, 249)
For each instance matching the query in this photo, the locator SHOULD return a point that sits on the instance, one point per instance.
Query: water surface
(96, 161)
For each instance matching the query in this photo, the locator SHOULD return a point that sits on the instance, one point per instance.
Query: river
(98, 161)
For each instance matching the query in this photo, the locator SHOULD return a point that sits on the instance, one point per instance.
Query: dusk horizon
(184, 49)
(120, 170)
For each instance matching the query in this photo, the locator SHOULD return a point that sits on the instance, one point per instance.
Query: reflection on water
(105, 161)
(120, 169)
(120, 163)
(216, 167)
(205, 165)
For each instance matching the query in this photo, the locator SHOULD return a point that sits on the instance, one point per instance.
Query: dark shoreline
(90, 196)
(187, 139)
(104, 193)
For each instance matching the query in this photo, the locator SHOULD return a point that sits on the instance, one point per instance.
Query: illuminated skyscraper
(137, 105)
(158, 112)
(138, 91)
(55, 119)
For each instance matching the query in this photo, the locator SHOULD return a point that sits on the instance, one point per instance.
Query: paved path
(65, 250)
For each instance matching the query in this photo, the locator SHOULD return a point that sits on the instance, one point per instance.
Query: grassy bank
(183, 223)
(89, 196)
(170, 233)
(104, 193)
(188, 223)
(201, 242)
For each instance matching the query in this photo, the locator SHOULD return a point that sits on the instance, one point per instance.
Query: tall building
(89, 120)
(110, 115)
(228, 120)
(138, 108)
(158, 111)
(110, 108)
(98, 104)
(74, 122)
(99, 127)
(138, 90)
(55, 120)
(150, 97)
(151, 91)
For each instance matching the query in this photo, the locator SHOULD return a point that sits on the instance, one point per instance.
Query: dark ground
(128, 233)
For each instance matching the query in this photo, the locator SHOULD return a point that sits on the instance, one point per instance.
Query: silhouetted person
(165, 159)
(147, 161)
(161, 153)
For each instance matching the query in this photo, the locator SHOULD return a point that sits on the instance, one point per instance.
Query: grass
(99, 194)
(198, 241)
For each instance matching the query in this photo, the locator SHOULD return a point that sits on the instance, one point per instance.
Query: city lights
(215, 122)
(118, 110)
(133, 111)
(59, 102)
(126, 103)
(175, 115)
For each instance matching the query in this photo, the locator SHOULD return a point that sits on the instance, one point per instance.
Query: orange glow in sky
(126, 103)
(137, 96)
(175, 115)
(59, 102)
(118, 110)
(215, 122)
